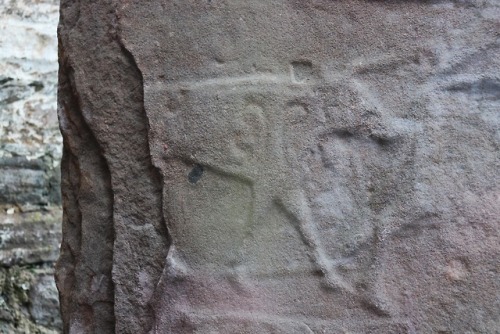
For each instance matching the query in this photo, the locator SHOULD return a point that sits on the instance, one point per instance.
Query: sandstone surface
(280, 166)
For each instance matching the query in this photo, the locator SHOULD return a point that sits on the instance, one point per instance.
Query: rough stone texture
(30, 151)
(29, 245)
(280, 166)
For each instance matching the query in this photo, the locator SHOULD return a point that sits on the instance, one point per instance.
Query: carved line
(223, 81)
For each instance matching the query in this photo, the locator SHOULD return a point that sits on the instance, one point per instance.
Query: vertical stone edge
(102, 117)
(83, 271)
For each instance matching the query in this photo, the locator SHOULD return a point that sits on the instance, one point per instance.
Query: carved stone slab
(280, 166)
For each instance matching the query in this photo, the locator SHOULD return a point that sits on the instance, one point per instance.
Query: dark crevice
(71, 243)
(82, 156)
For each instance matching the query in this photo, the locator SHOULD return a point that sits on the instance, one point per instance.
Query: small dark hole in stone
(195, 173)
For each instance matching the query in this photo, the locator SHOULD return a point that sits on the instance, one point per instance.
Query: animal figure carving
(239, 131)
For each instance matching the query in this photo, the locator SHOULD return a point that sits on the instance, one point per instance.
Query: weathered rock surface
(280, 166)
(30, 151)
(29, 245)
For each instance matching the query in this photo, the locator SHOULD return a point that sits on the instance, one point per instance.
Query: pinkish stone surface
(280, 166)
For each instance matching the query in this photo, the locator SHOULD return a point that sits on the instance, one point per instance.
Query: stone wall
(30, 152)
